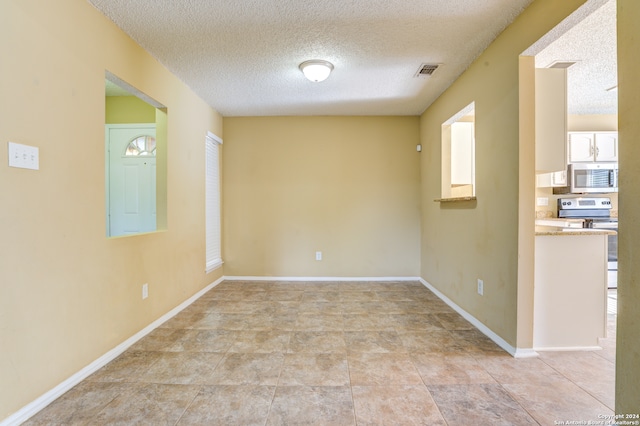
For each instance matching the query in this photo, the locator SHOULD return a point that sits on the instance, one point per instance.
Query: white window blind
(212, 203)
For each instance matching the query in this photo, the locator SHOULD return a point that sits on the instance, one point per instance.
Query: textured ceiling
(591, 42)
(242, 56)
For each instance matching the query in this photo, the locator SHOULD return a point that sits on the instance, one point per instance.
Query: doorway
(591, 105)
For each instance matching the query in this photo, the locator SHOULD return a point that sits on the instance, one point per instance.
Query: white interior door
(132, 179)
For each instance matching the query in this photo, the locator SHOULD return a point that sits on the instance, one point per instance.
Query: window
(212, 202)
(142, 145)
(458, 155)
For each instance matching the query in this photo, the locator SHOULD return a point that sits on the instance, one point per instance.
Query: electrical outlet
(542, 201)
(480, 287)
(24, 156)
(145, 291)
(318, 255)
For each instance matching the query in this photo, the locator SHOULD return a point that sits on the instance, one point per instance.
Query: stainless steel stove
(596, 212)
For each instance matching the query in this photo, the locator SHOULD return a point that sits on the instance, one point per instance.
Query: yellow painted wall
(462, 242)
(68, 294)
(346, 186)
(128, 110)
(628, 339)
(526, 178)
(588, 123)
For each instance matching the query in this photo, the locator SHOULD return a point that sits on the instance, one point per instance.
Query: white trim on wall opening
(213, 230)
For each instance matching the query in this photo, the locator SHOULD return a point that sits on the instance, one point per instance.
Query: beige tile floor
(346, 353)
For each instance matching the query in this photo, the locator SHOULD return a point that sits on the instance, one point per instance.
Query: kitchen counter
(566, 227)
(565, 232)
(560, 222)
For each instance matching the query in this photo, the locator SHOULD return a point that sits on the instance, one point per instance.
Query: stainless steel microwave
(591, 178)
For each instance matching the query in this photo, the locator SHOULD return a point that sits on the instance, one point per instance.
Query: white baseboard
(568, 348)
(41, 402)
(516, 353)
(525, 353)
(315, 279)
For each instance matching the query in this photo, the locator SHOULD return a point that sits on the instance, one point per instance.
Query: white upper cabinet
(581, 147)
(592, 146)
(551, 119)
(607, 147)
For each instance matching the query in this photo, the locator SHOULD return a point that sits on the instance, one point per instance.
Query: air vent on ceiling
(562, 64)
(426, 70)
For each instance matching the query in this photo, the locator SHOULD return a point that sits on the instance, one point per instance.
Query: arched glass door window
(141, 146)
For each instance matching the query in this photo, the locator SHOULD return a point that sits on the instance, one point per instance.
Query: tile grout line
(513, 398)
(104, 407)
(284, 357)
(189, 405)
(428, 391)
(518, 402)
(223, 355)
(346, 356)
(578, 385)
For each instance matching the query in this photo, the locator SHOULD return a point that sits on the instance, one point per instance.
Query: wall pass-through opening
(135, 160)
(458, 154)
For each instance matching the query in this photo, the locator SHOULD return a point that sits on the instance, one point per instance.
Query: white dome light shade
(316, 70)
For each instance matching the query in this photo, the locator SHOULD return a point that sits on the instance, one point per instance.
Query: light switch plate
(24, 156)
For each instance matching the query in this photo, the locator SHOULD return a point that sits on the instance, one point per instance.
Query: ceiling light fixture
(316, 69)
